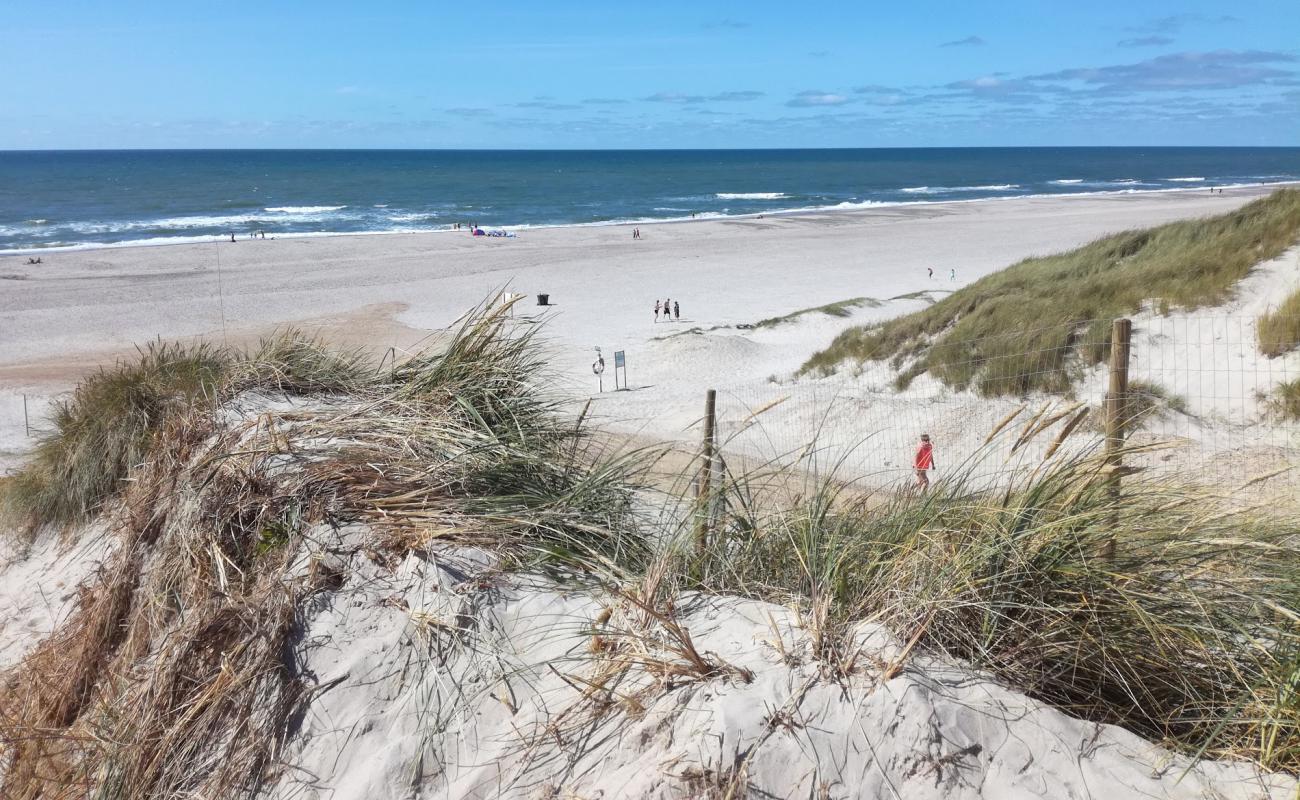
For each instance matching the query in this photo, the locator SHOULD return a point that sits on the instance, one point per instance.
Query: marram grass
(1189, 635)
(1030, 327)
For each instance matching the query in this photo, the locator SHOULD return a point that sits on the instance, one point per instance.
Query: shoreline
(846, 207)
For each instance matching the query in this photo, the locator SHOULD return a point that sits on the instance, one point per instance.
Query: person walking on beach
(656, 311)
(677, 310)
(668, 310)
(930, 270)
(924, 462)
(952, 275)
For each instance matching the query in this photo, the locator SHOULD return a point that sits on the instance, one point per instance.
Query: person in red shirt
(924, 462)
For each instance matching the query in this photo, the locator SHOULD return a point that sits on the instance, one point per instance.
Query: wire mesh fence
(1203, 403)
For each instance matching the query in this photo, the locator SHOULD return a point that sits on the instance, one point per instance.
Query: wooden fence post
(27, 427)
(704, 500)
(1116, 419)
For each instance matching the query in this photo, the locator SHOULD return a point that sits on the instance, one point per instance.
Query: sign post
(620, 362)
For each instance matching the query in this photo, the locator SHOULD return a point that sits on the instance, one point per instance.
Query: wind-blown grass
(1279, 329)
(106, 427)
(188, 623)
(108, 424)
(1030, 327)
(840, 308)
(1187, 636)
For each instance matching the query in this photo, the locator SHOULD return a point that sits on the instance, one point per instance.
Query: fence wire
(1214, 409)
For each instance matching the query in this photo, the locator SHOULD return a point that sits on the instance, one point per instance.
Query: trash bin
(543, 299)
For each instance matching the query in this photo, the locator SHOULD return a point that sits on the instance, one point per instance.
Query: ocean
(61, 199)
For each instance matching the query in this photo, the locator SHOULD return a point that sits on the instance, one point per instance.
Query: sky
(665, 74)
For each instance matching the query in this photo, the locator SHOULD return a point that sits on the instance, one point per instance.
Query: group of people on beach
(636, 233)
(670, 309)
(952, 274)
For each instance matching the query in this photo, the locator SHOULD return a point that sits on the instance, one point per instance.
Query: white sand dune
(503, 715)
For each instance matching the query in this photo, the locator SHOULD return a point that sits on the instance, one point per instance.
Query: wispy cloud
(721, 97)
(1146, 41)
(1005, 90)
(1218, 69)
(674, 97)
(969, 41)
(603, 101)
(820, 53)
(470, 112)
(813, 98)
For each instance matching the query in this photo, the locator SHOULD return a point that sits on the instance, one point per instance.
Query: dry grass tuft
(1278, 330)
(187, 626)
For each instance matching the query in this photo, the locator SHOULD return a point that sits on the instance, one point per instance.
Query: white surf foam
(750, 195)
(303, 209)
(1185, 180)
(1067, 181)
(412, 217)
(992, 187)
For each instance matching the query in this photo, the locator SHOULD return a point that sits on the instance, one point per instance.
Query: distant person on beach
(668, 310)
(657, 311)
(924, 462)
(930, 270)
(952, 275)
(677, 310)
(232, 237)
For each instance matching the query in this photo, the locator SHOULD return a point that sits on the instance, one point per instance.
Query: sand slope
(440, 678)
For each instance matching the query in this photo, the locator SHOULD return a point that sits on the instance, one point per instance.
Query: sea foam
(303, 209)
(993, 187)
(750, 195)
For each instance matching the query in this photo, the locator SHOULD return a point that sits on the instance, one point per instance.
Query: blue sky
(665, 74)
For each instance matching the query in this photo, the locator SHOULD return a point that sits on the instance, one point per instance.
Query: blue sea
(60, 199)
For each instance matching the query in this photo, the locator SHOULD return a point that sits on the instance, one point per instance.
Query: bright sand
(81, 308)
(932, 731)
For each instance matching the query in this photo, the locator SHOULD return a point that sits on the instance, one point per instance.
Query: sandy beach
(81, 308)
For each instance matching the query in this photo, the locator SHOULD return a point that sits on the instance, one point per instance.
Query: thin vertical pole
(221, 295)
(704, 505)
(27, 428)
(1116, 413)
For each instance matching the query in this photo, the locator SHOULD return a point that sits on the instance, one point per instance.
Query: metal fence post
(1116, 413)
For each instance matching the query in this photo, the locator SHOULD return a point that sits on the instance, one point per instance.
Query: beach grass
(840, 308)
(107, 425)
(1285, 400)
(1036, 324)
(1279, 329)
(1186, 635)
(210, 500)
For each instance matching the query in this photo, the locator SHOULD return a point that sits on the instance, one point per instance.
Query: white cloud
(813, 98)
